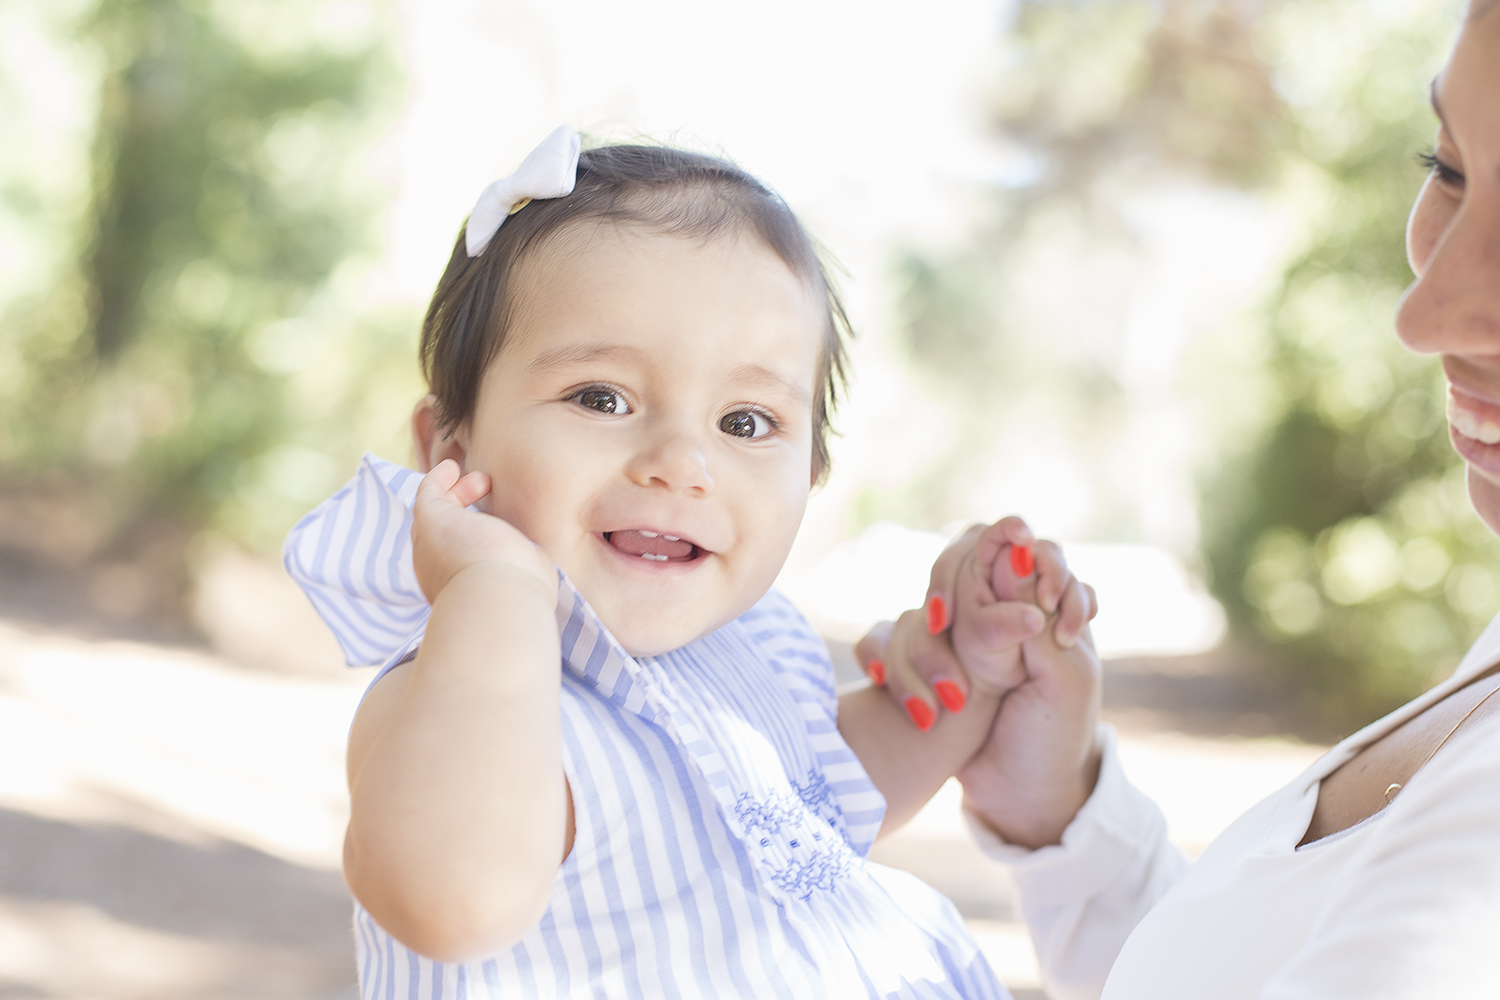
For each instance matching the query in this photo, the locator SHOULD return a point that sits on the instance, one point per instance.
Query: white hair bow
(547, 172)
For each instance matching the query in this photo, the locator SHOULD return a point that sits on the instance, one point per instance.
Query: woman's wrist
(1036, 814)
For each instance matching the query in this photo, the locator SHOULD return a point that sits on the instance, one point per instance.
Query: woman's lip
(1483, 458)
(1480, 405)
(1474, 431)
(1474, 426)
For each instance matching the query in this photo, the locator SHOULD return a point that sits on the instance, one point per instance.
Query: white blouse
(1403, 906)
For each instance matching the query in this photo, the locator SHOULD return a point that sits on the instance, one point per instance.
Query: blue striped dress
(722, 822)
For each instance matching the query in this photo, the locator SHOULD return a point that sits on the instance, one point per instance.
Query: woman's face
(1453, 242)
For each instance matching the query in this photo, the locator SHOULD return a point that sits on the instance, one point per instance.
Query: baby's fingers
(444, 483)
(1010, 531)
(1076, 608)
(1053, 578)
(470, 489)
(987, 641)
(439, 481)
(1003, 624)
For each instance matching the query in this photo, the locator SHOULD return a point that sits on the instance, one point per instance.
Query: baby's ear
(430, 443)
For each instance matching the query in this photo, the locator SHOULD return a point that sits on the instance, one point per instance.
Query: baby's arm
(907, 743)
(460, 812)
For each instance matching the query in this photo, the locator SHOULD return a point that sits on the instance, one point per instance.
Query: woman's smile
(1451, 308)
(1473, 418)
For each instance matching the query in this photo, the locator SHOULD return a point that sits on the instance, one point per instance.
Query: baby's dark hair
(662, 190)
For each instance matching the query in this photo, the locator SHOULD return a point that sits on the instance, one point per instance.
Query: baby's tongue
(649, 543)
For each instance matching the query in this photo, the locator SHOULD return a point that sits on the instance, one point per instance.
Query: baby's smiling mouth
(653, 546)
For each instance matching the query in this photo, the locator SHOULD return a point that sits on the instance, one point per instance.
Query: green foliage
(1097, 102)
(198, 355)
(1332, 517)
(1098, 87)
(1342, 537)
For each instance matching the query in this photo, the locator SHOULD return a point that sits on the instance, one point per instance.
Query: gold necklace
(1395, 786)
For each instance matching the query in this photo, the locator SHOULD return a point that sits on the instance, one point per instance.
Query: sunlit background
(1124, 267)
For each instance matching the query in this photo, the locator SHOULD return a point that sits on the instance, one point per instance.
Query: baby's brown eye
(603, 400)
(745, 424)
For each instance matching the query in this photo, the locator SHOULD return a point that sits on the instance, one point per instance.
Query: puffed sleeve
(1417, 913)
(1082, 898)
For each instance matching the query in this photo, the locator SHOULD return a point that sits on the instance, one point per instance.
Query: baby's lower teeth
(653, 557)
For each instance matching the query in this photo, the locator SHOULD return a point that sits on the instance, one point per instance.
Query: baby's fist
(448, 538)
(994, 606)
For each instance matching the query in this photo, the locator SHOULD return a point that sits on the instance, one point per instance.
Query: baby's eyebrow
(578, 354)
(758, 375)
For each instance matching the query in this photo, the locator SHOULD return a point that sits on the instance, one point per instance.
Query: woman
(1377, 872)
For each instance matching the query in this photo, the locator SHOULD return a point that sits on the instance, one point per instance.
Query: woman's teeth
(1470, 426)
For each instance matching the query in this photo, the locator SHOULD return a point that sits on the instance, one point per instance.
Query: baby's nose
(673, 458)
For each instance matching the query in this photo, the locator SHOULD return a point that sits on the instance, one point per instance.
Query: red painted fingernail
(937, 614)
(920, 712)
(1021, 562)
(950, 695)
(877, 673)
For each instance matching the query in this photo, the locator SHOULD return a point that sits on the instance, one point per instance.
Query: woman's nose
(673, 457)
(1454, 307)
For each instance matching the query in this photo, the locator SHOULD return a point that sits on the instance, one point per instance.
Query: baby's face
(648, 422)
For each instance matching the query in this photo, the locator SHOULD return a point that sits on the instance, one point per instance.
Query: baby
(610, 761)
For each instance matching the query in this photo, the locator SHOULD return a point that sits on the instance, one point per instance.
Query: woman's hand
(979, 628)
(909, 758)
(448, 538)
(1041, 761)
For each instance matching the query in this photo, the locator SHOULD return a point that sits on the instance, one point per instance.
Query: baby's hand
(1008, 564)
(990, 590)
(916, 658)
(1022, 570)
(1041, 760)
(448, 538)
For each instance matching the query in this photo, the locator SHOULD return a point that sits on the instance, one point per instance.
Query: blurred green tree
(1332, 518)
(1097, 103)
(1341, 538)
(160, 393)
